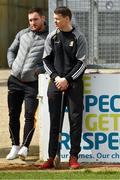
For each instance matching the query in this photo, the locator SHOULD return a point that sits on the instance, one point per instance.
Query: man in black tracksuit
(65, 61)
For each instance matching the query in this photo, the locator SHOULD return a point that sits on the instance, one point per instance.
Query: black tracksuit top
(65, 54)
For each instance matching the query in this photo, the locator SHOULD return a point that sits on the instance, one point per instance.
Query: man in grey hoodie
(25, 60)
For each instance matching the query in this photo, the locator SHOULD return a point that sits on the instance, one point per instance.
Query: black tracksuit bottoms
(74, 101)
(17, 93)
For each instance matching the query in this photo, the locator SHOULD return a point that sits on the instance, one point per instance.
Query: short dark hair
(36, 9)
(64, 11)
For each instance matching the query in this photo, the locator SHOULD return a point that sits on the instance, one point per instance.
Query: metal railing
(99, 20)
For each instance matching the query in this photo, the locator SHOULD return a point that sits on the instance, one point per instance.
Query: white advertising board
(101, 120)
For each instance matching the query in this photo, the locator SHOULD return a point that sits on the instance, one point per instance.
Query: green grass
(87, 174)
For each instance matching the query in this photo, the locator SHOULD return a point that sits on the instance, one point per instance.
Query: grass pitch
(87, 174)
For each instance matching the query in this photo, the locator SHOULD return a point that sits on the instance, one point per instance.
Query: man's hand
(61, 83)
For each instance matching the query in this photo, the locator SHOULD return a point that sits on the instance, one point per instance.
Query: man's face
(36, 21)
(60, 21)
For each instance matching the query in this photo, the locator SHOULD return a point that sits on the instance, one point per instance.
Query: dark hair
(64, 11)
(36, 9)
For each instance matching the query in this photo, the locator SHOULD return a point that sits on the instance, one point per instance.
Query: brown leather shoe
(46, 165)
(73, 163)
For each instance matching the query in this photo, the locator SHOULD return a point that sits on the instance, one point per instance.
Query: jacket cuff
(53, 76)
(69, 79)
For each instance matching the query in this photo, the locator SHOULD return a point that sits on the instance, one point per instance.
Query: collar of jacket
(40, 32)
